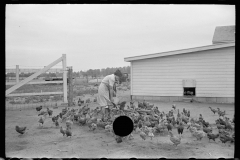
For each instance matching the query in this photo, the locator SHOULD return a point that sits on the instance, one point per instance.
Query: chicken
(118, 139)
(68, 132)
(122, 105)
(140, 124)
(174, 106)
(159, 128)
(205, 124)
(223, 132)
(212, 136)
(143, 134)
(213, 110)
(108, 128)
(150, 131)
(220, 113)
(225, 138)
(69, 124)
(20, 130)
(147, 123)
(188, 113)
(174, 121)
(176, 140)
(219, 126)
(228, 125)
(55, 118)
(184, 111)
(102, 124)
(140, 105)
(207, 129)
(62, 131)
(42, 113)
(82, 120)
(178, 114)
(198, 134)
(50, 112)
(169, 126)
(198, 126)
(200, 118)
(88, 100)
(56, 123)
(39, 108)
(93, 127)
(41, 121)
(144, 103)
(180, 129)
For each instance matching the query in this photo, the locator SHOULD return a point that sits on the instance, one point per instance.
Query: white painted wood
(64, 63)
(52, 70)
(131, 84)
(13, 88)
(17, 73)
(177, 52)
(213, 70)
(40, 82)
(33, 94)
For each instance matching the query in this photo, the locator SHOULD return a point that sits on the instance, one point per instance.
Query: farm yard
(66, 95)
(47, 141)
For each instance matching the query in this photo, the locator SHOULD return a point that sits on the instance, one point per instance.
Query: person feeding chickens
(106, 91)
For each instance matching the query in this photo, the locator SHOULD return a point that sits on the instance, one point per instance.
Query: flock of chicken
(147, 119)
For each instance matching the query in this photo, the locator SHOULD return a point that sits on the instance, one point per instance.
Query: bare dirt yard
(48, 142)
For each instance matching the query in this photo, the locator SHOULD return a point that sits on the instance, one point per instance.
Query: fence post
(17, 73)
(64, 78)
(70, 87)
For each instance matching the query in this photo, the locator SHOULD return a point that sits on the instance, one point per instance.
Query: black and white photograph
(120, 81)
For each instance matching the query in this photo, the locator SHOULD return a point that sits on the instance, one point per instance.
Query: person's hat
(118, 73)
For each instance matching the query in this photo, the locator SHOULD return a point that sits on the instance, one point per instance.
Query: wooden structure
(206, 72)
(28, 79)
(70, 87)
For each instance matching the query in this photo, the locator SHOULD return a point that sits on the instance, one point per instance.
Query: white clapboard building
(205, 74)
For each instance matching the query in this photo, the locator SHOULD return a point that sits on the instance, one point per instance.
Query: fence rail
(37, 82)
(33, 94)
(27, 80)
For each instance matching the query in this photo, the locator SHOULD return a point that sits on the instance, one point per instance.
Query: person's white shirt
(110, 79)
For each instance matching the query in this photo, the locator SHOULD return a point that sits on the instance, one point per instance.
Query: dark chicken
(50, 112)
(225, 138)
(212, 136)
(68, 132)
(42, 113)
(180, 128)
(118, 139)
(207, 130)
(20, 130)
(39, 108)
(169, 126)
(122, 105)
(213, 110)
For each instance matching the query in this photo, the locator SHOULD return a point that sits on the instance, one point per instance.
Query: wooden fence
(27, 80)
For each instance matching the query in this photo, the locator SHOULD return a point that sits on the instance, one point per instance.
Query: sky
(96, 36)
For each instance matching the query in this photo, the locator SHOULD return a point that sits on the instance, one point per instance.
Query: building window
(189, 91)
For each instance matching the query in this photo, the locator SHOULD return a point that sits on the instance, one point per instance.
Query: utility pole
(70, 87)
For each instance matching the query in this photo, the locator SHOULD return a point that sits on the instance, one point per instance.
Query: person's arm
(111, 93)
(111, 83)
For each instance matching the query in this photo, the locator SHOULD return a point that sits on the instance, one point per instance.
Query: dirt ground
(48, 141)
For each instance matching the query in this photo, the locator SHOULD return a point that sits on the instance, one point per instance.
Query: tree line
(103, 72)
(94, 73)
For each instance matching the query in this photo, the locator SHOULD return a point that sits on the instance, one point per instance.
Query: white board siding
(213, 71)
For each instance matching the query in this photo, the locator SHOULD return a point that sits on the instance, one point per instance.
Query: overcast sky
(100, 36)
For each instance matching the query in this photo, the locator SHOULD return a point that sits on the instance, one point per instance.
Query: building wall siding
(213, 70)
